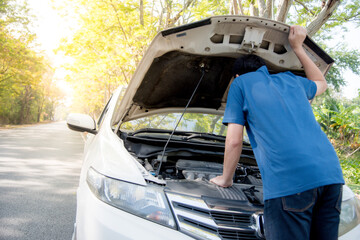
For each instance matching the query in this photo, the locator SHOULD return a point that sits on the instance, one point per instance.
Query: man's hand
(297, 36)
(233, 147)
(222, 181)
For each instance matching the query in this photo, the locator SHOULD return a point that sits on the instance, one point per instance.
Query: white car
(149, 158)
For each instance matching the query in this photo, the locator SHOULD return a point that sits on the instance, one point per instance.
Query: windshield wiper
(206, 136)
(156, 130)
(150, 130)
(189, 135)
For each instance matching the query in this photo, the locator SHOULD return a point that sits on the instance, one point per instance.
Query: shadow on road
(39, 171)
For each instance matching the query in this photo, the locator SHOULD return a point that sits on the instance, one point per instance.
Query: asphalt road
(39, 172)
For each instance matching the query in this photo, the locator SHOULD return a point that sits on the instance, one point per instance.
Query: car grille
(228, 234)
(234, 219)
(196, 219)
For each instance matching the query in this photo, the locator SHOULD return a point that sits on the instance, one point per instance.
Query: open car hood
(171, 68)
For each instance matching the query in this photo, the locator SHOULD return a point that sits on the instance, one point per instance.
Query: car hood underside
(176, 59)
(173, 77)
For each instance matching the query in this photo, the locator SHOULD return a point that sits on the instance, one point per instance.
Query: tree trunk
(161, 19)
(235, 6)
(231, 7)
(168, 13)
(25, 105)
(269, 9)
(38, 114)
(178, 15)
(322, 17)
(120, 25)
(253, 9)
(283, 9)
(262, 8)
(222, 129)
(213, 123)
(40, 108)
(142, 12)
(241, 8)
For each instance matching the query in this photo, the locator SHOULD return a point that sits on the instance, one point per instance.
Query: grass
(351, 167)
(351, 170)
(355, 188)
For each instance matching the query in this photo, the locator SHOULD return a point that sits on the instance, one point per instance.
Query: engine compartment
(202, 170)
(188, 167)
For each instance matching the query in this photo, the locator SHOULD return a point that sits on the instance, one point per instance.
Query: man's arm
(233, 148)
(297, 36)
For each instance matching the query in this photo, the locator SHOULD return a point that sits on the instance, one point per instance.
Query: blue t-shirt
(291, 150)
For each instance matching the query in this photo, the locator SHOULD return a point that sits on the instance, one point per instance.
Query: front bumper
(353, 234)
(97, 220)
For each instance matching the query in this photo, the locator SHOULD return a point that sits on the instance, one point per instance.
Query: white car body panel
(96, 220)
(106, 153)
(354, 234)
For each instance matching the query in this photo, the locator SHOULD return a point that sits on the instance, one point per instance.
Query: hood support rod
(202, 66)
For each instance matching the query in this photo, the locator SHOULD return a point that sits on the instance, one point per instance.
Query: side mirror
(81, 123)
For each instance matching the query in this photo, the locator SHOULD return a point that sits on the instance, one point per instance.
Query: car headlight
(350, 211)
(148, 202)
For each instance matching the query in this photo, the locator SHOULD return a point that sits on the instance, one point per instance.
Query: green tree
(112, 38)
(22, 96)
(340, 119)
(113, 35)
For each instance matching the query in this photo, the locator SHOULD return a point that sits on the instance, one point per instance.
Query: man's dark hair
(247, 63)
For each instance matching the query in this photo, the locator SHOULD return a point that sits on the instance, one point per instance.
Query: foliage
(113, 35)
(344, 59)
(355, 188)
(340, 120)
(24, 74)
(307, 10)
(351, 168)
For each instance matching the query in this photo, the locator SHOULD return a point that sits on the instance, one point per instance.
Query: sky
(50, 28)
(352, 80)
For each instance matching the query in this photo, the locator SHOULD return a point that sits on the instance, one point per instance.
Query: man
(301, 174)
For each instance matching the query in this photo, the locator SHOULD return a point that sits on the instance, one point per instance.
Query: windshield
(191, 122)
